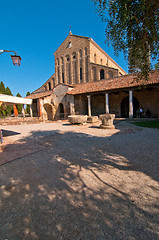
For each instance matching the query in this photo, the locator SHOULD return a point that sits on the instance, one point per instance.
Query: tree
(9, 109)
(19, 106)
(2, 87)
(28, 106)
(132, 26)
(8, 91)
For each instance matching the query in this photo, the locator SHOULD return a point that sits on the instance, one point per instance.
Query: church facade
(88, 81)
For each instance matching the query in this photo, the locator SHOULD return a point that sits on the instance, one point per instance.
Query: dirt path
(82, 183)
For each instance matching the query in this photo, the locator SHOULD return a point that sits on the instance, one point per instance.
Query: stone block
(92, 119)
(77, 119)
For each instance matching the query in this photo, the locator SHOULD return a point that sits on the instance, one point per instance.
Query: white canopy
(14, 100)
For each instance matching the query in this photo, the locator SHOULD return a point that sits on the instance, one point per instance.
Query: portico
(121, 96)
(11, 100)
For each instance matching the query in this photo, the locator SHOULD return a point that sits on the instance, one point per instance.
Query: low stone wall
(19, 120)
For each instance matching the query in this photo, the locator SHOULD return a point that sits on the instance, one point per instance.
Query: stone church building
(88, 81)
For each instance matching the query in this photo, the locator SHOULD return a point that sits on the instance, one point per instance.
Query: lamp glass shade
(16, 60)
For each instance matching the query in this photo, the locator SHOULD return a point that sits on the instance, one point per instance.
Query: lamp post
(15, 58)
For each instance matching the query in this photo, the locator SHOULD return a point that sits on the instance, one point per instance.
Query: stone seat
(77, 119)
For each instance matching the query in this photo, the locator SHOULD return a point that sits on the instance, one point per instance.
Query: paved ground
(79, 182)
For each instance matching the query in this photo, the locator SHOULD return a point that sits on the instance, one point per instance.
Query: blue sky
(35, 29)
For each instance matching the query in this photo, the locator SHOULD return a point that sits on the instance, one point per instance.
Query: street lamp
(15, 58)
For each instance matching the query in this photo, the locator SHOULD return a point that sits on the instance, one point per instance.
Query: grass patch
(148, 124)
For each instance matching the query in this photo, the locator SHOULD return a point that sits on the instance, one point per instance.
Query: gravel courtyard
(64, 182)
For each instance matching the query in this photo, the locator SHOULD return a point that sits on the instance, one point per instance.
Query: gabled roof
(40, 89)
(71, 35)
(39, 95)
(97, 46)
(126, 81)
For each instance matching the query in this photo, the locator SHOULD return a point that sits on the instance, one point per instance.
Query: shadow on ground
(7, 133)
(80, 187)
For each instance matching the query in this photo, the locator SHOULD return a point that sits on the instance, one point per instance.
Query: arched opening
(125, 107)
(49, 83)
(102, 74)
(74, 55)
(61, 109)
(98, 104)
(48, 111)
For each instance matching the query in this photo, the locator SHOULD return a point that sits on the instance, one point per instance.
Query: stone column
(130, 104)
(72, 106)
(23, 111)
(89, 105)
(98, 74)
(31, 110)
(107, 103)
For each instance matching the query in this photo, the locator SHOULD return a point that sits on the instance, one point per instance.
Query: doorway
(61, 109)
(49, 112)
(125, 107)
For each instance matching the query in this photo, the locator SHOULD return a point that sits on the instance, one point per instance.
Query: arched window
(102, 74)
(101, 61)
(45, 88)
(49, 83)
(62, 67)
(80, 73)
(73, 55)
(95, 58)
(80, 52)
(67, 58)
(110, 74)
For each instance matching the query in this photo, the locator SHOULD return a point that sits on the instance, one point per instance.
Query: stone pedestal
(77, 119)
(107, 121)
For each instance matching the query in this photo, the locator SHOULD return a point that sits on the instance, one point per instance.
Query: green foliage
(19, 106)
(8, 91)
(28, 93)
(157, 65)
(4, 109)
(2, 88)
(28, 106)
(132, 26)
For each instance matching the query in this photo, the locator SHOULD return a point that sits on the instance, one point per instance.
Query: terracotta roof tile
(39, 95)
(126, 81)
